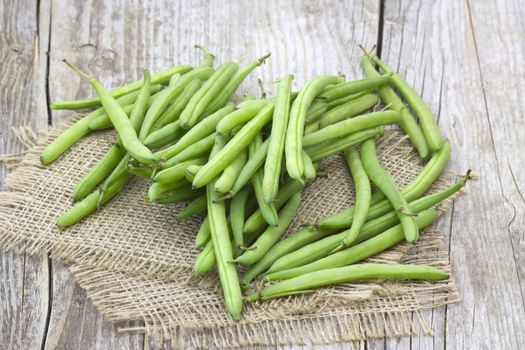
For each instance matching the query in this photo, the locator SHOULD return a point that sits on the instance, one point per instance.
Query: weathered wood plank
(24, 283)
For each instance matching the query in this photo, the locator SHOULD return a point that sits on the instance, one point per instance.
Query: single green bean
(225, 181)
(89, 204)
(227, 91)
(331, 147)
(176, 172)
(423, 181)
(144, 172)
(174, 79)
(120, 120)
(205, 260)
(275, 153)
(234, 147)
(202, 98)
(349, 109)
(157, 190)
(198, 132)
(209, 58)
(172, 113)
(167, 134)
(426, 117)
(195, 207)
(386, 184)
(178, 195)
(309, 167)
(257, 104)
(204, 234)
(190, 171)
(306, 283)
(256, 221)
(237, 215)
(294, 133)
(198, 149)
(357, 252)
(353, 87)
(268, 238)
(159, 78)
(373, 226)
(408, 122)
(222, 247)
(268, 211)
(350, 126)
(239, 117)
(363, 194)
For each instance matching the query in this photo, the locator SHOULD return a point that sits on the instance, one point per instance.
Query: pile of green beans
(242, 167)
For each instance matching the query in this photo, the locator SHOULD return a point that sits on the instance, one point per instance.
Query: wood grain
(465, 58)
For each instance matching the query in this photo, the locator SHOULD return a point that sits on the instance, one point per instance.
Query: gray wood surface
(465, 57)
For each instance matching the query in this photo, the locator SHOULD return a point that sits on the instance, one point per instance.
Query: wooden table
(465, 57)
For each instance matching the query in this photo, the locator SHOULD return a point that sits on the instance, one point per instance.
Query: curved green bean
(159, 78)
(177, 172)
(222, 247)
(209, 58)
(306, 283)
(268, 238)
(353, 87)
(349, 126)
(275, 153)
(234, 147)
(408, 122)
(294, 133)
(309, 167)
(195, 207)
(421, 109)
(358, 252)
(167, 134)
(349, 109)
(226, 180)
(205, 260)
(202, 98)
(386, 184)
(204, 234)
(331, 147)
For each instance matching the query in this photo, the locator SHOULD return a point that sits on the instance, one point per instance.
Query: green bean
(272, 234)
(195, 207)
(176, 172)
(349, 126)
(294, 133)
(306, 283)
(256, 104)
(426, 117)
(239, 116)
(363, 195)
(222, 246)
(357, 252)
(202, 98)
(178, 195)
(331, 147)
(174, 79)
(190, 171)
(268, 211)
(256, 221)
(99, 172)
(205, 260)
(167, 134)
(156, 109)
(234, 147)
(349, 109)
(144, 172)
(227, 91)
(204, 234)
(209, 58)
(120, 120)
(274, 157)
(225, 181)
(372, 227)
(237, 215)
(90, 203)
(390, 99)
(291, 243)
(353, 87)
(198, 149)
(198, 132)
(309, 168)
(157, 190)
(379, 207)
(172, 113)
(318, 108)
(254, 163)
(386, 184)
(312, 128)
(159, 78)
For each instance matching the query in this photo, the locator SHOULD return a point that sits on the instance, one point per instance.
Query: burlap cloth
(135, 259)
